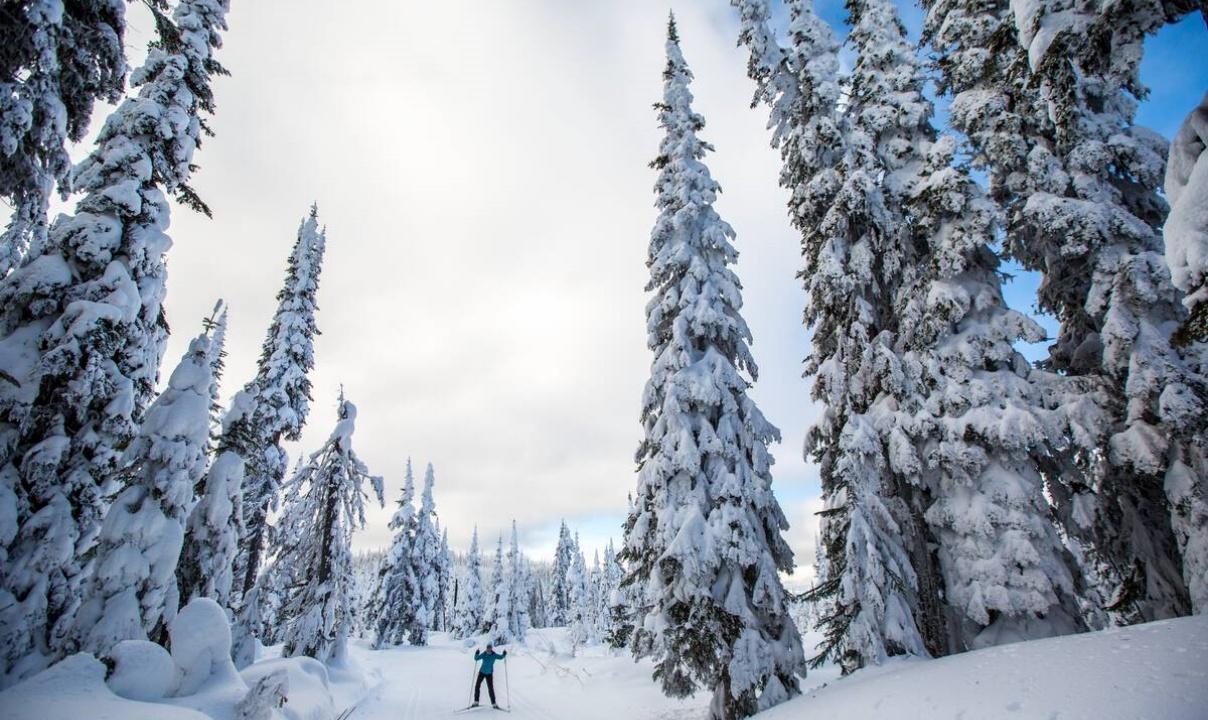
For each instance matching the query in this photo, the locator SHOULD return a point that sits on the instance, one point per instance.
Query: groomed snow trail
(545, 683)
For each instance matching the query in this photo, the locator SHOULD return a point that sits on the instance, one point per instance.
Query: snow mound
(142, 670)
(1155, 670)
(75, 689)
(306, 682)
(201, 647)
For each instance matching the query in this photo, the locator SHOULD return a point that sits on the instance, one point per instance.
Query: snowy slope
(1158, 670)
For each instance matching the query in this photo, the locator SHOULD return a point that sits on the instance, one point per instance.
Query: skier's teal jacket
(488, 660)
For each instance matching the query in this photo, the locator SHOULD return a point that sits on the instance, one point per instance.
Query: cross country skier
(488, 659)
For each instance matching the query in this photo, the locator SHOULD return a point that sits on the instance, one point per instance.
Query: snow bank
(1155, 670)
(75, 689)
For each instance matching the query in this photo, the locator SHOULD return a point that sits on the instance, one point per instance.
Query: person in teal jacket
(485, 672)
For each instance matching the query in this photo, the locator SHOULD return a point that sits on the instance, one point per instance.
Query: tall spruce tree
(705, 535)
(281, 392)
(844, 200)
(468, 619)
(132, 592)
(1155, 479)
(559, 611)
(978, 421)
(83, 329)
(610, 583)
(596, 592)
(425, 564)
(518, 590)
(444, 579)
(623, 605)
(1009, 137)
(536, 595)
(324, 503)
(1077, 182)
(58, 59)
(495, 617)
(392, 604)
(577, 581)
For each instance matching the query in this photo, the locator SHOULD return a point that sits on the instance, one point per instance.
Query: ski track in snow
(436, 681)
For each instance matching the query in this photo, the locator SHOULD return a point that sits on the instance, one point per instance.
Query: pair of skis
(468, 708)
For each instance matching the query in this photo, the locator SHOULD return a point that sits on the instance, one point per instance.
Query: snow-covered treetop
(282, 383)
(768, 61)
(165, 119)
(697, 296)
(427, 506)
(406, 504)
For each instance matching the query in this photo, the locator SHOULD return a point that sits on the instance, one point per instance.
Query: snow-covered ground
(540, 680)
(1157, 671)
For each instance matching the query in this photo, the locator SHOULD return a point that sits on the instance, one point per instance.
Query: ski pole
(507, 688)
(473, 677)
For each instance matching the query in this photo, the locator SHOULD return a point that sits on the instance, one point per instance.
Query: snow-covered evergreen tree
(58, 60)
(207, 559)
(596, 591)
(1009, 137)
(495, 617)
(469, 618)
(1186, 240)
(536, 595)
(610, 581)
(1186, 229)
(82, 332)
(579, 627)
(444, 579)
(518, 590)
(978, 418)
(624, 602)
(425, 565)
(705, 536)
(559, 595)
(132, 592)
(324, 503)
(216, 326)
(855, 262)
(396, 592)
(1092, 225)
(281, 390)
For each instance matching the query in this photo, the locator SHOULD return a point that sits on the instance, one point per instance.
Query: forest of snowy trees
(970, 498)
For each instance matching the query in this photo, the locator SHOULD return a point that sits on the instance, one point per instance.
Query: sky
(482, 172)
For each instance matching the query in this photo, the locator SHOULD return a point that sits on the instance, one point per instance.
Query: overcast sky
(481, 168)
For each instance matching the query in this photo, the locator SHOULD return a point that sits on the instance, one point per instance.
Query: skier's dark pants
(490, 686)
